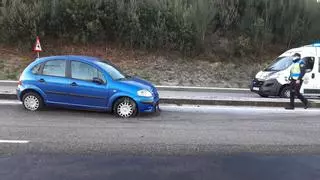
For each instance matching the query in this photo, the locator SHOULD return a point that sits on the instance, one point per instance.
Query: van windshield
(280, 64)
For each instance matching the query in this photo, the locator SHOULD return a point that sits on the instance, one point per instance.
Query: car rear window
(36, 69)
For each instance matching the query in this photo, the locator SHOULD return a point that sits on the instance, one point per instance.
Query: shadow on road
(238, 167)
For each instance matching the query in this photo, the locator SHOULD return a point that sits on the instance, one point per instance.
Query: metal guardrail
(167, 88)
(168, 100)
(203, 89)
(8, 83)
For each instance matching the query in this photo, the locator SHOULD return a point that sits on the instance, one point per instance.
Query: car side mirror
(97, 80)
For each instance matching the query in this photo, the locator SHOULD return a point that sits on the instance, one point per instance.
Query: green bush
(21, 21)
(180, 25)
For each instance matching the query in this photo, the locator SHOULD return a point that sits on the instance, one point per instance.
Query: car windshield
(112, 70)
(280, 64)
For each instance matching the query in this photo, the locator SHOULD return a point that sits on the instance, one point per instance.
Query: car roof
(70, 57)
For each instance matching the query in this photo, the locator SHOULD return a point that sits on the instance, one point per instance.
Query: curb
(232, 103)
(206, 102)
(8, 96)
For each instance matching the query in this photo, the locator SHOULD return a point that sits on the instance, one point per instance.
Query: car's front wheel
(32, 101)
(125, 108)
(285, 92)
(263, 95)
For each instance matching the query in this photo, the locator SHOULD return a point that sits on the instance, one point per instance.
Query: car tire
(125, 108)
(263, 95)
(32, 101)
(285, 92)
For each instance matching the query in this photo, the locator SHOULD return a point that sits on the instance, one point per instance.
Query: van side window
(309, 62)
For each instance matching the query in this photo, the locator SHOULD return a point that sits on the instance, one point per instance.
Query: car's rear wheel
(32, 101)
(125, 108)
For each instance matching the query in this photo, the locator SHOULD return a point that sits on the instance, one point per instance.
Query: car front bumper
(148, 105)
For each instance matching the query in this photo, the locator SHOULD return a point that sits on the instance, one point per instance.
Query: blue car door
(83, 90)
(53, 82)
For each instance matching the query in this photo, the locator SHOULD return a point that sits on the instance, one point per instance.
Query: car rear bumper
(18, 92)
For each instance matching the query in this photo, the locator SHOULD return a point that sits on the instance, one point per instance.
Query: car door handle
(42, 80)
(74, 84)
(313, 76)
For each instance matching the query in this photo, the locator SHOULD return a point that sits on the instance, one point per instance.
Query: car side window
(36, 69)
(55, 68)
(86, 72)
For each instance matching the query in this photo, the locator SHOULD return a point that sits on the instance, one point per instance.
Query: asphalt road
(183, 142)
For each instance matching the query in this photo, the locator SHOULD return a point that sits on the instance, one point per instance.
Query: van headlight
(273, 76)
(144, 93)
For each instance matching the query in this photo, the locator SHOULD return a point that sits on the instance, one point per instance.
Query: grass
(2, 73)
(11, 66)
(10, 74)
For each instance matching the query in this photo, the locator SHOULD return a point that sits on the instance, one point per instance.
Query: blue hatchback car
(87, 83)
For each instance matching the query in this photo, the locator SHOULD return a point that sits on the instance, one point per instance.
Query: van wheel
(32, 101)
(263, 95)
(125, 108)
(285, 92)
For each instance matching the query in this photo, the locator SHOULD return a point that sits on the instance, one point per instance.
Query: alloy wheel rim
(31, 103)
(125, 109)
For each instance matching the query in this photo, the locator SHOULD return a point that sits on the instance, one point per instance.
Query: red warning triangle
(37, 47)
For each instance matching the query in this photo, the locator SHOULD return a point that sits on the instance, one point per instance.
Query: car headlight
(144, 93)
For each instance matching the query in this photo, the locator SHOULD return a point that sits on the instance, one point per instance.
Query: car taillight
(20, 82)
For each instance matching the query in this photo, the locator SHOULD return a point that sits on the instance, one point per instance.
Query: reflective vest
(295, 70)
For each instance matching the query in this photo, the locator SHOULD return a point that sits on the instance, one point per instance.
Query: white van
(274, 80)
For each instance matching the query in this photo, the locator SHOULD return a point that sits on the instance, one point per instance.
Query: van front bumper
(266, 88)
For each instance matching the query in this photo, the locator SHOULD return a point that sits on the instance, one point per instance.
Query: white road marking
(13, 142)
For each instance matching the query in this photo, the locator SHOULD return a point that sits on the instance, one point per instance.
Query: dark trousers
(295, 91)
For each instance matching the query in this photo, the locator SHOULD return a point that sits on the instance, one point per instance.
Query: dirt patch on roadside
(12, 63)
(161, 68)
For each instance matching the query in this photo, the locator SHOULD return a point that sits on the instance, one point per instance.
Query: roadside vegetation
(228, 31)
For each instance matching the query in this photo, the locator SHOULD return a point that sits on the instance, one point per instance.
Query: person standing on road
(297, 73)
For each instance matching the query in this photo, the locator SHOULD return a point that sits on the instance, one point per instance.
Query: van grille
(257, 83)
